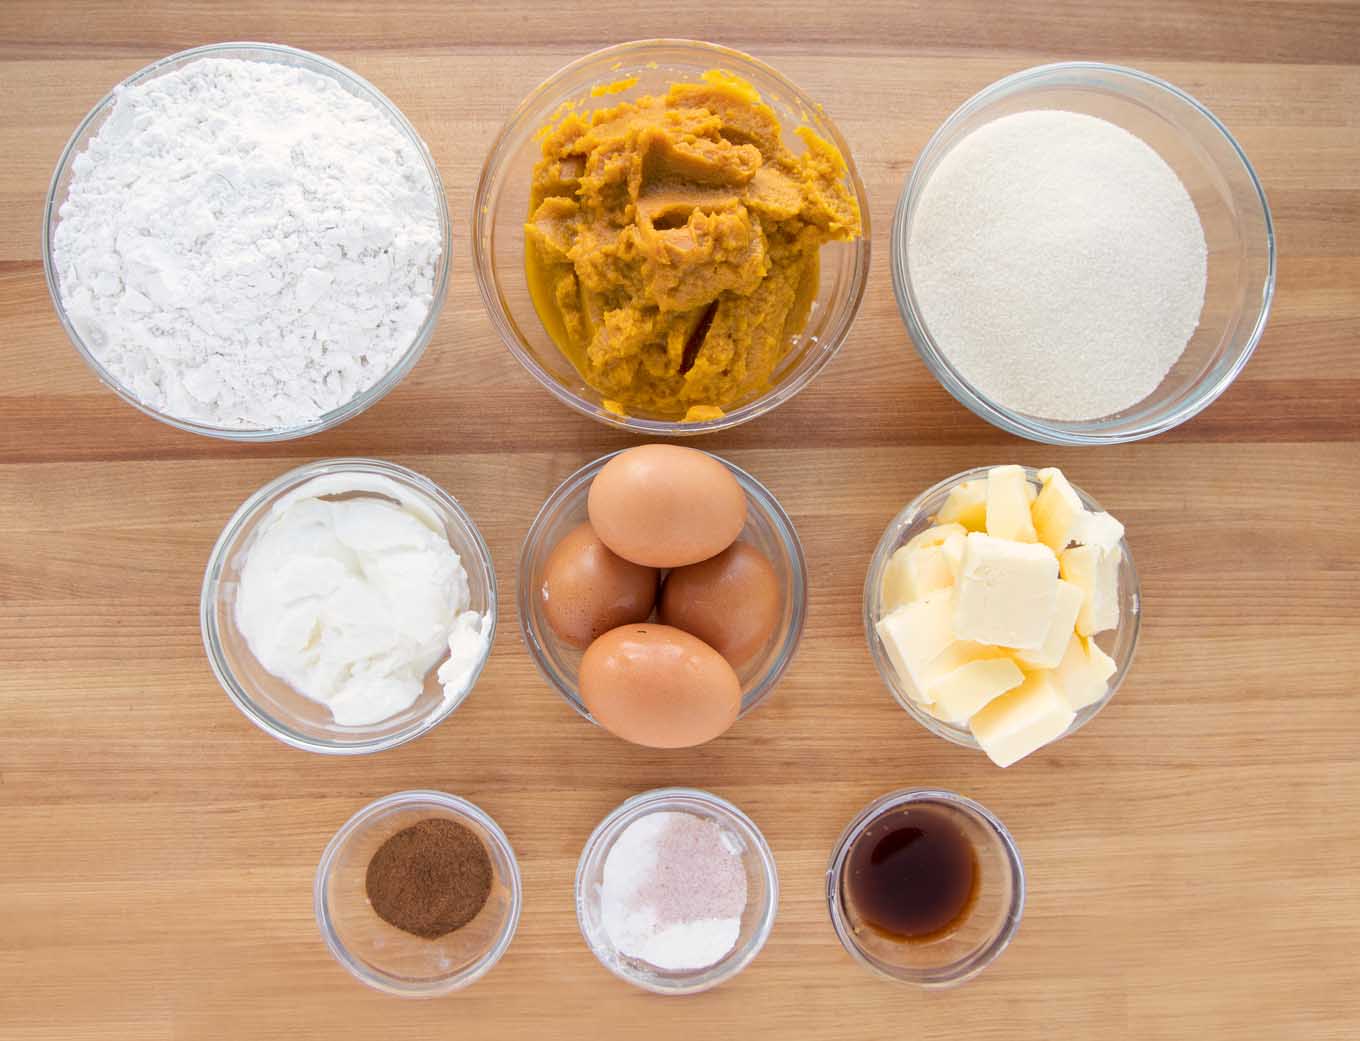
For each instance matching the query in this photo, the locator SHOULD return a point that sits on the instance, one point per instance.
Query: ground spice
(430, 878)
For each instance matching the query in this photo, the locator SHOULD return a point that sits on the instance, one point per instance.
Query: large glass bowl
(768, 528)
(270, 702)
(1119, 643)
(352, 84)
(1232, 209)
(501, 208)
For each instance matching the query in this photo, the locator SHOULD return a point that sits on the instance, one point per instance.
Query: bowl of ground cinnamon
(418, 894)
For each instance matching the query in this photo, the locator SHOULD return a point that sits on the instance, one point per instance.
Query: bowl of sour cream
(348, 606)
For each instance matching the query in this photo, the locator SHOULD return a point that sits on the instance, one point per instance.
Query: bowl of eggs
(662, 593)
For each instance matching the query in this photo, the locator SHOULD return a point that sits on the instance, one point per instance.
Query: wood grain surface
(1193, 855)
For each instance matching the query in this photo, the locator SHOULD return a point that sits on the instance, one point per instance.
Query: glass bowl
(501, 208)
(768, 528)
(1119, 643)
(1226, 193)
(282, 55)
(957, 956)
(762, 892)
(269, 702)
(385, 957)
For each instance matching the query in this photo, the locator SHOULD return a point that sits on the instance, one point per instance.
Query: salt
(673, 891)
(1059, 264)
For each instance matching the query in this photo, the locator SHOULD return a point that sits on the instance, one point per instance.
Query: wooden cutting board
(1192, 855)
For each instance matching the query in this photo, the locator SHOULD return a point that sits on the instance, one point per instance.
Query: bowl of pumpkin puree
(671, 237)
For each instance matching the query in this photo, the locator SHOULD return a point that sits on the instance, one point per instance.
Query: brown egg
(588, 589)
(666, 506)
(659, 687)
(732, 601)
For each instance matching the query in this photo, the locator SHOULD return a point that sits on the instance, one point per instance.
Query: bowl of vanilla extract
(925, 887)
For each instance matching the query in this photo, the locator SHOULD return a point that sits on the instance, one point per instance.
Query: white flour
(1059, 264)
(246, 244)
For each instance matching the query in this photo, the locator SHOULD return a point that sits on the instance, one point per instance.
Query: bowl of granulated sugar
(1084, 255)
(247, 241)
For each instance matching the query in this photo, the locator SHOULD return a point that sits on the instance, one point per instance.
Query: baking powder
(673, 892)
(246, 244)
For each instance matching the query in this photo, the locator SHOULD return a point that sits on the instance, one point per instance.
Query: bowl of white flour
(1084, 255)
(247, 241)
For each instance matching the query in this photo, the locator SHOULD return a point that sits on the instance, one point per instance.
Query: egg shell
(732, 602)
(588, 589)
(666, 506)
(658, 686)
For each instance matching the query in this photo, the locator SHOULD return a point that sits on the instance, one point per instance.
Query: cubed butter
(1083, 674)
(914, 572)
(1021, 720)
(1099, 530)
(952, 549)
(1057, 511)
(1008, 510)
(914, 635)
(960, 693)
(936, 535)
(1096, 571)
(1060, 631)
(1006, 593)
(966, 504)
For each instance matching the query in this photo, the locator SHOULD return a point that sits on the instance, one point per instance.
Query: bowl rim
(315, 63)
(414, 798)
(883, 550)
(658, 800)
(970, 965)
(247, 511)
(481, 225)
(755, 492)
(1021, 424)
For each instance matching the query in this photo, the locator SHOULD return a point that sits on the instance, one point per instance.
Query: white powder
(673, 892)
(1059, 264)
(247, 245)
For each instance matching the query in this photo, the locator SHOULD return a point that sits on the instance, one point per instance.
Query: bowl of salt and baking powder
(1081, 255)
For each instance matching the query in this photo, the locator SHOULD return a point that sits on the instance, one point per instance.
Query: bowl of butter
(1002, 609)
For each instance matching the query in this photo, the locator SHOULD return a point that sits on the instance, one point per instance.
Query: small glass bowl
(1118, 643)
(280, 55)
(501, 208)
(768, 528)
(762, 893)
(957, 956)
(1232, 209)
(269, 702)
(385, 957)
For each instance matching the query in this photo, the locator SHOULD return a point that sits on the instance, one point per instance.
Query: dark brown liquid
(912, 874)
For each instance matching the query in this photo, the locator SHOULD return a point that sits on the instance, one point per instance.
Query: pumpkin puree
(672, 244)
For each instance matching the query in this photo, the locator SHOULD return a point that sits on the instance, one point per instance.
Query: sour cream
(352, 601)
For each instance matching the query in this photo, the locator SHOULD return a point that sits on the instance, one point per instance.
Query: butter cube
(966, 505)
(912, 573)
(1099, 530)
(953, 553)
(1060, 631)
(1058, 511)
(1021, 720)
(937, 535)
(959, 653)
(958, 694)
(1082, 675)
(1008, 511)
(1096, 571)
(914, 635)
(1007, 592)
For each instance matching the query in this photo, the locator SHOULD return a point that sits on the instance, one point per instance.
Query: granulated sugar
(1059, 264)
(673, 892)
(246, 244)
